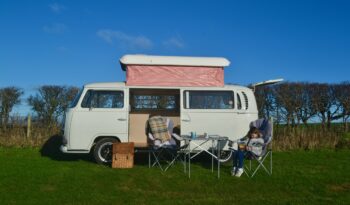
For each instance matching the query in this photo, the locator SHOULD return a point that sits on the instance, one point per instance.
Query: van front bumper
(64, 149)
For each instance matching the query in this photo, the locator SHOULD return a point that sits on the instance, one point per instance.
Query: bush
(344, 141)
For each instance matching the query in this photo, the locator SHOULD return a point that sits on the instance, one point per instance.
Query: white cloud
(56, 28)
(123, 39)
(57, 8)
(176, 42)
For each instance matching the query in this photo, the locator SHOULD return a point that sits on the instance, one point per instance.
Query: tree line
(48, 103)
(296, 103)
(290, 103)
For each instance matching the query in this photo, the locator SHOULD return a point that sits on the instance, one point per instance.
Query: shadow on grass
(51, 149)
(203, 160)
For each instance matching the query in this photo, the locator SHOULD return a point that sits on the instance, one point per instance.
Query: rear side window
(242, 100)
(239, 102)
(208, 99)
(103, 99)
(245, 100)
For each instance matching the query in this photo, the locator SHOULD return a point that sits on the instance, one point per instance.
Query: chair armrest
(150, 136)
(177, 137)
(267, 139)
(180, 141)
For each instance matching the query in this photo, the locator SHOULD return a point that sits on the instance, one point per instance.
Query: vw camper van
(188, 90)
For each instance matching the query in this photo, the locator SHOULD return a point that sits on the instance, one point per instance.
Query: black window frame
(86, 102)
(246, 100)
(210, 91)
(175, 109)
(76, 99)
(239, 102)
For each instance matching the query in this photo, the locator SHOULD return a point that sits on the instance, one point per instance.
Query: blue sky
(78, 42)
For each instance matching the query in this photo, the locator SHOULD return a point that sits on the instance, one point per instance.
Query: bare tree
(265, 100)
(304, 106)
(293, 102)
(69, 93)
(284, 94)
(9, 97)
(325, 103)
(51, 101)
(342, 95)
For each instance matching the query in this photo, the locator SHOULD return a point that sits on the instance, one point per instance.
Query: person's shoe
(233, 171)
(239, 172)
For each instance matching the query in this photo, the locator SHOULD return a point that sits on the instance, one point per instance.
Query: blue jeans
(238, 157)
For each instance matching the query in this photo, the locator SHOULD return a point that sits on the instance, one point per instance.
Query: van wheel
(103, 151)
(225, 156)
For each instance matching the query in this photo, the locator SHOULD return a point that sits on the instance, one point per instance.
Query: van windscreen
(76, 99)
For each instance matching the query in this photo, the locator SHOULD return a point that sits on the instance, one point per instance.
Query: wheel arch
(98, 138)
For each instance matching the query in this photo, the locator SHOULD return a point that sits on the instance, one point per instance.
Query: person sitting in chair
(251, 144)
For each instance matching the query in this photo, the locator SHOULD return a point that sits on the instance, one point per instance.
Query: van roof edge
(173, 61)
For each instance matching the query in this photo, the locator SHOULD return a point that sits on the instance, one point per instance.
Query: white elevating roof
(173, 60)
(267, 82)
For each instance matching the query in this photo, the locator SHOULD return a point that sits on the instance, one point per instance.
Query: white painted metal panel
(232, 123)
(87, 124)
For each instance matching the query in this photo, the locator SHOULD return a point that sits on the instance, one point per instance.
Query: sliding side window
(208, 99)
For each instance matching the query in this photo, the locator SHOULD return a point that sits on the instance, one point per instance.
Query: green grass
(300, 177)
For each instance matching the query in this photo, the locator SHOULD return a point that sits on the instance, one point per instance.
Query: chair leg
(175, 157)
(172, 162)
(261, 164)
(185, 162)
(149, 159)
(271, 163)
(247, 170)
(165, 155)
(156, 161)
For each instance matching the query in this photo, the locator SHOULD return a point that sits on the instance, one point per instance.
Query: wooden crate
(123, 155)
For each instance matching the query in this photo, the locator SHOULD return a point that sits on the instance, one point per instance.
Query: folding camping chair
(266, 128)
(168, 151)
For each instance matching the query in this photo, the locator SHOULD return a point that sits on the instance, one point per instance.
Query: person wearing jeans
(249, 144)
(238, 157)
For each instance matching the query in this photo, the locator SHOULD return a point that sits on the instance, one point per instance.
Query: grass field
(28, 176)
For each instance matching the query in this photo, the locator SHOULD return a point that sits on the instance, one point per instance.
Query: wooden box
(123, 155)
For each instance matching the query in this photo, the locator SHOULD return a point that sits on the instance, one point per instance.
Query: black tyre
(103, 151)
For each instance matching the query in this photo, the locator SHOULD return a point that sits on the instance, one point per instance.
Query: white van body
(106, 112)
(84, 125)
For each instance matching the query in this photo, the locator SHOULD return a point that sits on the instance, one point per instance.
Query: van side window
(245, 100)
(154, 102)
(103, 99)
(239, 102)
(208, 100)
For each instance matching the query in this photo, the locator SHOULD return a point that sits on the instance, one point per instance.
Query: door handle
(121, 119)
(185, 120)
